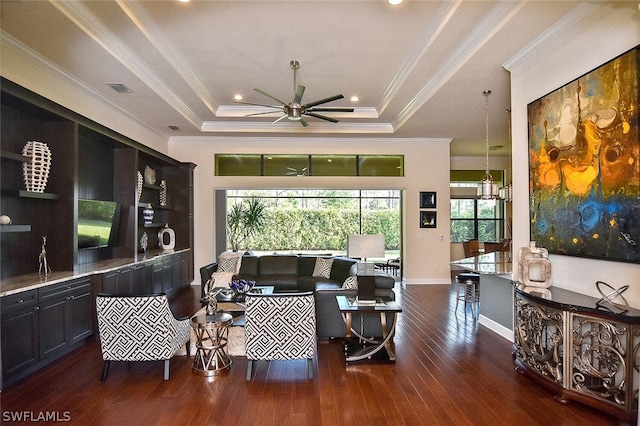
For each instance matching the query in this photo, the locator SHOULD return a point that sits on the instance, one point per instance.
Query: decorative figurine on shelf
(166, 238)
(144, 242)
(42, 258)
(5, 220)
(149, 175)
(139, 184)
(147, 214)
(163, 193)
(35, 169)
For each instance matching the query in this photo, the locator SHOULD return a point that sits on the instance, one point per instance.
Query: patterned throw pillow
(351, 283)
(323, 267)
(228, 262)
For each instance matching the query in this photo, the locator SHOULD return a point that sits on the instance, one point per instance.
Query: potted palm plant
(244, 219)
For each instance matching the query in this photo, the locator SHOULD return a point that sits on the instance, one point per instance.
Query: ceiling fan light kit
(295, 110)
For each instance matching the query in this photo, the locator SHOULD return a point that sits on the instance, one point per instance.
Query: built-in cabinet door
(52, 332)
(80, 315)
(19, 332)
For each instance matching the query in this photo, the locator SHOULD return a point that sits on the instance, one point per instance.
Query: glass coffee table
(232, 303)
(361, 348)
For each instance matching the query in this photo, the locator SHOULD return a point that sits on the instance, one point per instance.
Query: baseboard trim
(499, 329)
(427, 281)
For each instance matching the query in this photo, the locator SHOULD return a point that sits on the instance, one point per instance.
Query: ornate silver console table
(563, 341)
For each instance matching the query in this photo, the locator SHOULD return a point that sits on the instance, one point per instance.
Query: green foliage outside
(321, 229)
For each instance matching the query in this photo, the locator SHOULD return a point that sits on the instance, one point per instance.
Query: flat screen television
(98, 223)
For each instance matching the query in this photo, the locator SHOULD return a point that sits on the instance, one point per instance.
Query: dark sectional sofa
(292, 273)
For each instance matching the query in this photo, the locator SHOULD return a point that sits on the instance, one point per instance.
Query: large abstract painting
(584, 171)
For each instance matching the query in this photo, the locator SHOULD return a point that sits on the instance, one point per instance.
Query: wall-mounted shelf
(154, 225)
(15, 228)
(30, 194)
(13, 156)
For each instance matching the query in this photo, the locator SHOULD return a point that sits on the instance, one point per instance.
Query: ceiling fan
(295, 110)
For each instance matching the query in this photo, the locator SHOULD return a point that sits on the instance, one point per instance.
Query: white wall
(426, 251)
(604, 34)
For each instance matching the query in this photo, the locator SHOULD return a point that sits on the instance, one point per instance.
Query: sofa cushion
(280, 282)
(249, 265)
(322, 268)
(342, 267)
(306, 265)
(278, 264)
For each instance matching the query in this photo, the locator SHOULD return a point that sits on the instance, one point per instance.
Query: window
(308, 165)
(319, 220)
(476, 219)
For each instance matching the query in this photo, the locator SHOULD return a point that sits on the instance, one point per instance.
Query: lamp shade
(364, 246)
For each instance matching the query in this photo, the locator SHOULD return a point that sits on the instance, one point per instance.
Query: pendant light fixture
(506, 192)
(487, 188)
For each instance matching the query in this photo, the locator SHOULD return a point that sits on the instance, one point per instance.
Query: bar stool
(469, 282)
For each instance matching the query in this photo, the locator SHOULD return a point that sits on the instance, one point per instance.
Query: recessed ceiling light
(184, 1)
(355, 99)
(237, 97)
(395, 2)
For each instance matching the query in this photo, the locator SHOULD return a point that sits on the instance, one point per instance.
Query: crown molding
(289, 127)
(150, 30)
(569, 20)
(441, 18)
(94, 28)
(9, 42)
(487, 28)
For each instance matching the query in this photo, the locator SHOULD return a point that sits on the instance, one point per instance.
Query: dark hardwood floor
(448, 372)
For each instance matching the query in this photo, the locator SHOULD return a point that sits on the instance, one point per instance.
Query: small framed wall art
(427, 200)
(427, 219)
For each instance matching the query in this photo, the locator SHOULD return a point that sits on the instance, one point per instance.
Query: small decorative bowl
(241, 286)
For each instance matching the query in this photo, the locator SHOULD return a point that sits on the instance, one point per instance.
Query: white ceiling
(419, 69)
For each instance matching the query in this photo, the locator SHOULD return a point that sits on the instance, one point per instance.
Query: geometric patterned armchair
(280, 326)
(139, 328)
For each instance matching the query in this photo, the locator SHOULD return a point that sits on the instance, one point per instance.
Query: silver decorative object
(144, 242)
(210, 293)
(36, 170)
(42, 258)
(612, 300)
(166, 238)
(163, 193)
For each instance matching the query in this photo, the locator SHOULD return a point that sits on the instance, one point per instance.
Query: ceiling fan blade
(261, 113)
(323, 101)
(299, 92)
(260, 105)
(281, 118)
(329, 109)
(322, 117)
(303, 122)
(269, 96)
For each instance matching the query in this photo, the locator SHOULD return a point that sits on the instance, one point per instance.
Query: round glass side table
(212, 334)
